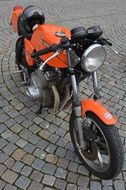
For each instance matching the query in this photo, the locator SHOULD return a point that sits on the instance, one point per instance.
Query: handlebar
(50, 49)
(104, 41)
(64, 44)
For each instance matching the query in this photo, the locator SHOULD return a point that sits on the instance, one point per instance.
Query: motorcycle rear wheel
(104, 156)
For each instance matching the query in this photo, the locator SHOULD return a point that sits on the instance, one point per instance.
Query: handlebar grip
(109, 43)
(50, 49)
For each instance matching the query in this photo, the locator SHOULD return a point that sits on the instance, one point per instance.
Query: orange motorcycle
(52, 61)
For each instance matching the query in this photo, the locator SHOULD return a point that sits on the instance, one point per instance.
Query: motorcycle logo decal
(108, 115)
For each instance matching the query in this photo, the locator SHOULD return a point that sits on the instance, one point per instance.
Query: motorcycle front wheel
(104, 155)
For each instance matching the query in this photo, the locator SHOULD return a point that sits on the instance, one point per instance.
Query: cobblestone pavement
(35, 151)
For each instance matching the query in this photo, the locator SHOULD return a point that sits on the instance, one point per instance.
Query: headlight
(93, 58)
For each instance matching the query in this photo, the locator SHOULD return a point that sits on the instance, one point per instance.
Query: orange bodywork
(99, 110)
(17, 11)
(42, 37)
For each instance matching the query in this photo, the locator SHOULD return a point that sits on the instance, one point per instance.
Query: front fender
(99, 110)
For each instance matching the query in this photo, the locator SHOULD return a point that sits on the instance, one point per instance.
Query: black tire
(113, 139)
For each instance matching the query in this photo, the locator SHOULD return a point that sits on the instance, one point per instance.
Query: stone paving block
(44, 134)
(50, 117)
(36, 176)
(3, 143)
(94, 185)
(44, 124)
(38, 164)
(13, 138)
(65, 125)
(71, 187)
(2, 169)
(40, 153)
(57, 121)
(2, 184)
(9, 148)
(3, 117)
(3, 157)
(21, 143)
(53, 138)
(28, 159)
(51, 148)
(9, 162)
(49, 169)
(62, 142)
(48, 180)
(73, 166)
(6, 134)
(2, 128)
(27, 123)
(16, 128)
(62, 162)
(72, 177)
(70, 155)
(61, 152)
(52, 128)
(25, 134)
(48, 188)
(35, 185)
(61, 173)
(18, 154)
(62, 114)
(29, 148)
(83, 170)
(60, 184)
(81, 188)
(67, 136)
(30, 115)
(42, 144)
(22, 182)
(17, 166)
(37, 120)
(51, 158)
(10, 122)
(9, 176)
(107, 182)
(34, 128)
(10, 187)
(119, 185)
(19, 119)
(26, 170)
(83, 181)
(61, 132)
(107, 188)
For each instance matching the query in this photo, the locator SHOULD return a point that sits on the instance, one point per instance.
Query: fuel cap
(60, 33)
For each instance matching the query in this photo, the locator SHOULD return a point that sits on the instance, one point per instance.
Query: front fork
(76, 101)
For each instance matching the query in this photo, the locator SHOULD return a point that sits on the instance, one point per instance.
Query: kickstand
(39, 110)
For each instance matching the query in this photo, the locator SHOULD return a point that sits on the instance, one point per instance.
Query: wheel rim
(101, 162)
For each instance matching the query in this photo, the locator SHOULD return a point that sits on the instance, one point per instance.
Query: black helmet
(32, 15)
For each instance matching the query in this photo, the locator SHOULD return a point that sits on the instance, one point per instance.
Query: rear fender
(99, 110)
(17, 11)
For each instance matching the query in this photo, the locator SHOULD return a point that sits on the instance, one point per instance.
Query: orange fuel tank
(44, 36)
